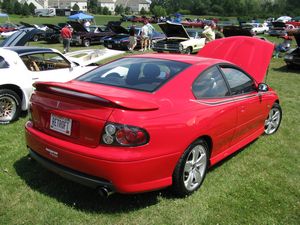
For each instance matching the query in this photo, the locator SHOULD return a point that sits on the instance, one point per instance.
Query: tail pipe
(104, 192)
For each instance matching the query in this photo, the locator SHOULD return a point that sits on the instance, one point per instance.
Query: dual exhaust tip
(104, 192)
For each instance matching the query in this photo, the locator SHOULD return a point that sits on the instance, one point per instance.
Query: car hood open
(20, 38)
(118, 29)
(173, 30)
(53, 27)
(77, 26)
(252, 54)
(278, 24)
(297, 38)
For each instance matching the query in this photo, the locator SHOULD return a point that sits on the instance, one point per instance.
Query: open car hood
(278, 24)
(20, 37)
(252, 54)
(77, 26)
(173, 30)
(52, 26)
(118, 29)
(230, 31)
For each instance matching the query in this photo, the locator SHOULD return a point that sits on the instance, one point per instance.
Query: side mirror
(263, 87)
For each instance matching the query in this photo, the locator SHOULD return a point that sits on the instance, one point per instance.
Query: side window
(3, 63)
(210, 84)
(238, 81)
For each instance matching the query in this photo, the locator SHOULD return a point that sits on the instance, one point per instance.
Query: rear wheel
(191, 169)
(86, 43)
(273, 121)
(189, 50)
(10, 106)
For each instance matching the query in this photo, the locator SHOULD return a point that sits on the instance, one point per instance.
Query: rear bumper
(93, 170)
(70, 174)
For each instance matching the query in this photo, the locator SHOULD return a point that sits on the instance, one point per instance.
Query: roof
(28, 49)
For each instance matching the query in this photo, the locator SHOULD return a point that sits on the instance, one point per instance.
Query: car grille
(166, 46)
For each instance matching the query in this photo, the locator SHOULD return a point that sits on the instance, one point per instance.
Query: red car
(146, 122)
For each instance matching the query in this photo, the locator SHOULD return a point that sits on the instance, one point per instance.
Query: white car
(22, 66)
(178, 39)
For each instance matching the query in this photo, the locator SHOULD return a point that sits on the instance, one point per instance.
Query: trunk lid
(297, 38)
(77, 111)
(252, 54)
(77, 27)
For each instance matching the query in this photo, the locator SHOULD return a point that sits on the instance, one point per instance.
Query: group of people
(146, 37)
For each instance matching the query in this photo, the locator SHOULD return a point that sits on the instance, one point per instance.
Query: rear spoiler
(64, 89)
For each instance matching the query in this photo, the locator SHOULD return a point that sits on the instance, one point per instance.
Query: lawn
(258, 185)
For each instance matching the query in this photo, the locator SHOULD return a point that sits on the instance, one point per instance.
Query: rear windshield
(145, 74)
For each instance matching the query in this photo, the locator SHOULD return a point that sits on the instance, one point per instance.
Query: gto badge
(52, 153)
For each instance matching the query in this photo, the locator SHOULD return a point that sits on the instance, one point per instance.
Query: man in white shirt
(144, 36)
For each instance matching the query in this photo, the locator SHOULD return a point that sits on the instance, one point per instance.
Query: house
(110, 4)
(67, 4)
(134, 5)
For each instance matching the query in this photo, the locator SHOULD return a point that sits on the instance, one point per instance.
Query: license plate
(109, 46)
(61, 124)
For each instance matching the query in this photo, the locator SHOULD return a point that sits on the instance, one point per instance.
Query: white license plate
(61, 124)
(109, 46)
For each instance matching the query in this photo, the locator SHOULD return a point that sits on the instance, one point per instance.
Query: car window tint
(45, 61)
(3, 63)
(144, 74)
(210, 84)
(238, 81)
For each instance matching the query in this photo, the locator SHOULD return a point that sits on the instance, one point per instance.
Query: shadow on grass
(78, 196)
(291, 69)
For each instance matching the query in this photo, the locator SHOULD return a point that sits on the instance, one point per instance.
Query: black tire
(35, 38)
(86, 43)
(273, 120)
(10, 106)
(181, 186)
(189, 50)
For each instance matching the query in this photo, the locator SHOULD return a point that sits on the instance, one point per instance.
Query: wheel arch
(19, 92)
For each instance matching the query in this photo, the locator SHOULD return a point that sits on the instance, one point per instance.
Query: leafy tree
(143, 11)
(127, 10)
(158, 11)
(25, 9)
(119, 9)
(18, 8)
(92, 6)
(105, 11)
(99, 9)
(32, 8)
(75, 7)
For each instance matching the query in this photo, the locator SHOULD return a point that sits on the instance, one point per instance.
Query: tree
(75, 7)
(25, 9)
(119, 9)
(92, 6)
(143, 11)
(158, 11)
(99, 9)
(32, 8)
(105, 11)
(127, 10)
(18, 8)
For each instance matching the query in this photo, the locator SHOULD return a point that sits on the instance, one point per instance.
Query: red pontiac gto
(150, 121)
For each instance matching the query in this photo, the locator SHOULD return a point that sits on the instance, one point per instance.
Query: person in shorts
(132, 39)
(144, 36)
(151, 30)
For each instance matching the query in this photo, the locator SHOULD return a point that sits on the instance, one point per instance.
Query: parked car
(53, 33)
(21, 66)
(278, 29)
(292, 57)
(121, 40)
(177, 40)
(145, 122)
(6, 27)
(257, 28)
(81, 36)
(234, 30)
(40, 33)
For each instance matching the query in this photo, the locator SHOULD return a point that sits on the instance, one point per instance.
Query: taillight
(124, 135)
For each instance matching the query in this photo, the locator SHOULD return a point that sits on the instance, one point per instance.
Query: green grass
(258, 185)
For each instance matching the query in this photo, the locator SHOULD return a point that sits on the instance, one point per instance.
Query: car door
(211, 90)
(250, 104)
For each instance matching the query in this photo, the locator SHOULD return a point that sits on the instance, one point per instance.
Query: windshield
(145, 74)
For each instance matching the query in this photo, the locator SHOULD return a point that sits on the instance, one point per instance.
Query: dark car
(53, 33)
(40, 32)
(82, 36)
(121, 40)
(278, 29)
(20, 37)
(292, 57)
(233, 30)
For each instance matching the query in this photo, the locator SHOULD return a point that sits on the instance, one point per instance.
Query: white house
(134, 5)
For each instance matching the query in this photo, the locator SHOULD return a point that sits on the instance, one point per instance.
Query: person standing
(132, 38)
(208, 33)
(151, 30)
(66, 35)
(144, 36)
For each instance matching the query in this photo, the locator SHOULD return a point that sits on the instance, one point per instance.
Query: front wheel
(189, 50)
(10, 106)
(86, 43)
(273, 121)
(191, 169)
